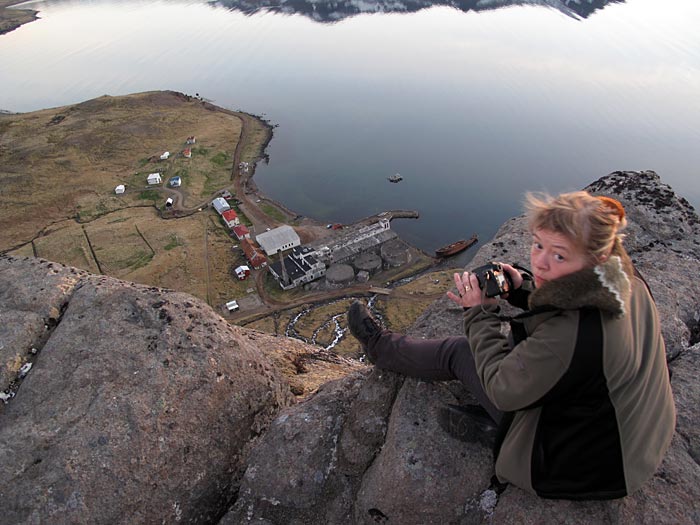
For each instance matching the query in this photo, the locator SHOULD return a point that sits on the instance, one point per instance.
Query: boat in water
(395, 178)
(456, 247)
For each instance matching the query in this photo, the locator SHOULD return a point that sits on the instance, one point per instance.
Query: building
(175, 182)
(165, 155)
(242, 272)
(154, 178)
(241, 232)
(187, 153)
(232, 306)
(300, 266)
(230, 218)
(220, 205)
(278, 239)
(190, 140)
(120, 189)
(254, 254)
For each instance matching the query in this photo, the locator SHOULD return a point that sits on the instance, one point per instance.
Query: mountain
(328, 11)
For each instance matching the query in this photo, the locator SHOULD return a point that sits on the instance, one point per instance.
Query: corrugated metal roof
(273, 240)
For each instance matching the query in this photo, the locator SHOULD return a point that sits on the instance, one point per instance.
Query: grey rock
(419, 475)
(140, 407)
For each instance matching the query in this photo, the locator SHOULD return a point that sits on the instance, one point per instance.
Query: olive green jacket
(586, 385)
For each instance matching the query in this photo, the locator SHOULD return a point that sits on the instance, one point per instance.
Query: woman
(581, 392)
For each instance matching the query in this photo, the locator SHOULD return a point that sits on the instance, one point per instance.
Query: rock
(412, 472)
(140, 406)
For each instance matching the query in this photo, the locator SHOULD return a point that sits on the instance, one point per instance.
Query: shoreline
(14, 18)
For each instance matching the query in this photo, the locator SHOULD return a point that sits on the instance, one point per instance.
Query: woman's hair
(592, 223)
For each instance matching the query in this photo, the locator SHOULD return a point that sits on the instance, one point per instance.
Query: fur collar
(605, 286)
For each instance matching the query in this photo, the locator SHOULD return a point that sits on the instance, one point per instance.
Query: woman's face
(554, 255)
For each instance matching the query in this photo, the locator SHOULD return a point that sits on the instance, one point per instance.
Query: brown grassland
(11, 19)
(60, 167)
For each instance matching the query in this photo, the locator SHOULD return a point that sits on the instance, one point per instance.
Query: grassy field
(67, 211)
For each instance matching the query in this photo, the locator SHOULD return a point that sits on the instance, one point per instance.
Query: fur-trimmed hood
(605, 286)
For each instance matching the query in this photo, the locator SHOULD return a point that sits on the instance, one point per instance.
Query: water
(471, 108)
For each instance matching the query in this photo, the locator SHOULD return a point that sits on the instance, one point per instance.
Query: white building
(120, 189)
(301, 266)
(278, 239)
(165, 155)
(220, 205)
(154, 178)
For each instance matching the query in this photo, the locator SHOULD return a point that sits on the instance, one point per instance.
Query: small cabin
(232, 306)
(242, 272)
(165, 155)
(169, 202)
(187, 153)
(154, 178)
(120, 189)
(175, 182)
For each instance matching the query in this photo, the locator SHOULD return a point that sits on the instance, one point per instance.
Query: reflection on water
(471, 108)
(334, 10)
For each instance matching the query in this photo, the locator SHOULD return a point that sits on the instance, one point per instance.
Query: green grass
(200, 151)
(220, 159)
(174, 242)
(272, 212)
(149, 195)
(138, 260)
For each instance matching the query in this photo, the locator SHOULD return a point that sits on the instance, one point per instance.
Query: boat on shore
(395, 178)
(456, 247)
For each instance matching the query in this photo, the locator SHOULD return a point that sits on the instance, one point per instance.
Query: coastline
(13, 18)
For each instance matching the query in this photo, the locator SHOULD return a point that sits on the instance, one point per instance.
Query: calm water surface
(472, 108)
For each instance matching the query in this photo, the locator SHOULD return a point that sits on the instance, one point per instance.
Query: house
(254, 254)
(190, 140)
(220, 205)
(230, 218)
(120, 189)
(175, 182)
(242, 272)
(169, 202)
(278, 239)
(241, 232)
(301, 266)
(187, 153)
(165, 155)
(232, 306)
(154, 178)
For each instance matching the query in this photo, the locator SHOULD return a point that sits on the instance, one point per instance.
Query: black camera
(493, 279)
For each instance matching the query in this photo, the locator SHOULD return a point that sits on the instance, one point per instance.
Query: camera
(493, 279)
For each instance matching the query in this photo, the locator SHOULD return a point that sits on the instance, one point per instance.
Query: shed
(242, 272)
(187, 153)
(175, 182)
(278, 239)
(232, 306)
(120, 189)
(220, 205)
(165, 155)
(154, 178)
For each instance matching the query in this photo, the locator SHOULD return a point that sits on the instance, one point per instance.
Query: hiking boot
(469, 423)
(361, 323)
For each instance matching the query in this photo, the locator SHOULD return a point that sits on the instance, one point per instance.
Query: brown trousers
(443, 359)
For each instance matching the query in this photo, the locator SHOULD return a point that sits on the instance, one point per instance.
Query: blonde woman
(580, 391)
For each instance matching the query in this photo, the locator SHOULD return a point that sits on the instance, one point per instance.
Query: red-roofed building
(187, 153)
(254, 254)
(241, 232)
(230, 218)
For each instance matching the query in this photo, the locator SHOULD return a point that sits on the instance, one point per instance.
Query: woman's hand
(515, 276)
(469, 292)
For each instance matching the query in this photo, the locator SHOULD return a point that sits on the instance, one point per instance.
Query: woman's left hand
(469, 292)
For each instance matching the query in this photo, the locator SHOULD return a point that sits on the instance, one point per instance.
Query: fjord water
(471, 108)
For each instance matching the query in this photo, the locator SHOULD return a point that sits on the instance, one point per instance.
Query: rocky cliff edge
(130, 404)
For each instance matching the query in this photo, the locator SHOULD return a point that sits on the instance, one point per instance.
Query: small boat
(395, 178)
(456, 247)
